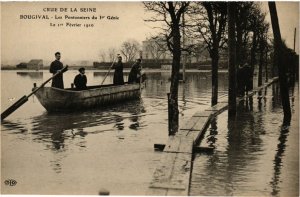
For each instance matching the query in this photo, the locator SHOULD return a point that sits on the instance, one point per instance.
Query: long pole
(295, 40)
(141, 57)
(108, 72)
(183, 45)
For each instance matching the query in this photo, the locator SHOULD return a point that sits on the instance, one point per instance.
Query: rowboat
(70, 99)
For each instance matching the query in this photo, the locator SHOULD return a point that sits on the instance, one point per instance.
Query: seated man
(135, 72)
(80, 80)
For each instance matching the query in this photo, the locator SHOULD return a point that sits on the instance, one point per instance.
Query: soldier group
(244, 79)
(80, 80)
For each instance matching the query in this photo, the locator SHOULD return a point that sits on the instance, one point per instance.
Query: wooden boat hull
(55, 99)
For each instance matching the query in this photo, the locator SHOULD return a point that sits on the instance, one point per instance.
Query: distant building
(35, 64)
(22, 65)
(85, 63)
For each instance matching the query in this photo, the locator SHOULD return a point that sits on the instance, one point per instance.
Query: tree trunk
(231, 7)
(214, 77)
(174, 81)
(284, 90)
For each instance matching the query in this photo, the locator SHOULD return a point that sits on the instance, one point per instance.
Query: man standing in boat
(135, 72)
(118, 75)
(80, 80)
(55, 67)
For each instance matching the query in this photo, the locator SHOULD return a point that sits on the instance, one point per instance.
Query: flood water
(252, 157)
(112, 148)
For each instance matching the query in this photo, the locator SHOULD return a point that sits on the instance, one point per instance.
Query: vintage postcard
(150, 98)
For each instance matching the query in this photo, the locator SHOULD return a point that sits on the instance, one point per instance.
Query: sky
(26, 39)
(288, 16)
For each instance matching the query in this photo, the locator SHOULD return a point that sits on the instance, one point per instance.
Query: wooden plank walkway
(173, 173)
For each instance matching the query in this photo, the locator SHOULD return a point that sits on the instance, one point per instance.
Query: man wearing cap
(248, 77)
(55, 67)
(135, 72)
(80, 80)
(241, 81)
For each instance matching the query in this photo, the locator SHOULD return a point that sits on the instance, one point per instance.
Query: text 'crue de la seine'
(69, 9)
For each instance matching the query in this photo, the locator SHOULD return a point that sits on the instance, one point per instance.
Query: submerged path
(173, 174)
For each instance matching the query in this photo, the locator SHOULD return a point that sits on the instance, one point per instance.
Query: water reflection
(213, 132)
(184, 101)
(278, 162)
(243, 162)
(281, 147)
(60, 133)
(57, 127)
(15, 127)
(262, 99)
(245, 105)
(32, 75)
(196, 84)
(276, 101)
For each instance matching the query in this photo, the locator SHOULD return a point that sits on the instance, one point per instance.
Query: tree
(250, 33)
(284, 90)
(262, 46)
(209, 24)
(232, 59)
(112, 54)
(102, 56)
(170, 13)
(156, 46)
(257, 26)
(130, 49)
(199, 50)
(242, 30)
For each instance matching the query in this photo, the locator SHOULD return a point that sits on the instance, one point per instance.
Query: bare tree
(170, 14)
(156, 46)
(102, 56)
(250, 28)
(112, 54)
(262, 46)
(199, 50)
(209, 24)
(243, 12)
(130, 49)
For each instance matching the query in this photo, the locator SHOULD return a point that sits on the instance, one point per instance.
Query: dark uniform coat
(58, 80)
(118, 75)
(249, 78)
(241, 81)
(80, 82)
(135, 73)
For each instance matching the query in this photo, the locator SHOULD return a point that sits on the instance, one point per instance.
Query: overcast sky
(25, 39)
(288, 16)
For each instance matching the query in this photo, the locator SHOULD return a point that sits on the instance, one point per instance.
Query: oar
(24, 99)
(108, 72)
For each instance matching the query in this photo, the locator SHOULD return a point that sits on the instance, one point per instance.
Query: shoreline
(145, 70)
